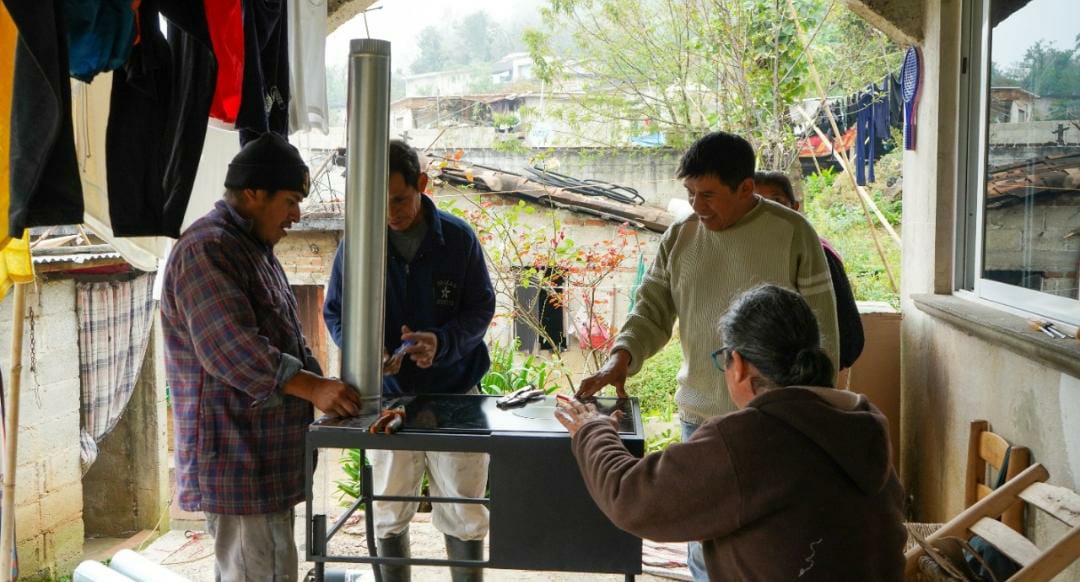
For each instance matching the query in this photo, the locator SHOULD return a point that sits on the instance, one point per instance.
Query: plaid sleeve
(223, 326)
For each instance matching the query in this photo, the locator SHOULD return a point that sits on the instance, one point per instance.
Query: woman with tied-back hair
(796, 485)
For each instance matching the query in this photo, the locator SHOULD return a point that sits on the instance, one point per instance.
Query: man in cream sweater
(733, 241)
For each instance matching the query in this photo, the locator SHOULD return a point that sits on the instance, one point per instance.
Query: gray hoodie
(796, 486)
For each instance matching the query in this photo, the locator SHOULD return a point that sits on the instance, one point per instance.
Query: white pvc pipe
(140, 569)
(93, 571)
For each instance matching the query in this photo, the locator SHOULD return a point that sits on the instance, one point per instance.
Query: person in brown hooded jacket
(796, 485)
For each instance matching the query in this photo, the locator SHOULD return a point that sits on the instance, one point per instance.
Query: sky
(400, 21)
(1057, 21)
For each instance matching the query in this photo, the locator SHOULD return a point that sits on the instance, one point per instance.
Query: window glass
(1031, 206)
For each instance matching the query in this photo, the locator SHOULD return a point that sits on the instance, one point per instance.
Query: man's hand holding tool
(389, 421)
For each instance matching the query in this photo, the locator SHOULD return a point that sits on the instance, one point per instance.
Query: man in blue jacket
(440, 298)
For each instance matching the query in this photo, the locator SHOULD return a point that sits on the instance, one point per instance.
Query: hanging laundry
(158, 110)
(876, 116)
(896, 102)
(45, 187)
(264, 104)
(100, 35)
(15, 262)
(864, 139)
(226, 21)
(307, 66)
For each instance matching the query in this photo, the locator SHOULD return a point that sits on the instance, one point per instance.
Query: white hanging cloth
(307, 66)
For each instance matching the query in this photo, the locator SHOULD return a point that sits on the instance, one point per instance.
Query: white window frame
(971, 183)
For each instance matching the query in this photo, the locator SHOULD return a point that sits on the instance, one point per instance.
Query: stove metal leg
(318, 544)
(367, 490)
(630, 578)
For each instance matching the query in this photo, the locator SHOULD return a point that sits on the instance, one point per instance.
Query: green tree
(433, 53)
(474, 38)
(684, 68)
(1051, 71)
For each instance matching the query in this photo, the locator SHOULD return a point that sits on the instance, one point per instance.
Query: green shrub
(655, 383)
(511, 371)
(348, 489)
(833, 207)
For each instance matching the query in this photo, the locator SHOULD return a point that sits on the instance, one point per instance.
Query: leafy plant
(655, 383)
(832, 206)
(349, 488)
(510, 371)
(662, 440)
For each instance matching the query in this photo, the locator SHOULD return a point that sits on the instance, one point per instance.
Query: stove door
(542, 517)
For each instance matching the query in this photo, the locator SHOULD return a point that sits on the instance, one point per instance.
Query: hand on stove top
(574, 414)
(612, 374)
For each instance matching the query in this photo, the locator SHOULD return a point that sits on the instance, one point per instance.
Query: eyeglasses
(720, 357)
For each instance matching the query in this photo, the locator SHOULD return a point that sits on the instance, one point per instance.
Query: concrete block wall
(48, 492)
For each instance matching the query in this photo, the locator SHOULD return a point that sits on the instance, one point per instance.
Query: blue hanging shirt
(100, 36)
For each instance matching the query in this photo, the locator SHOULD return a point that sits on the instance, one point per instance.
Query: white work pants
(449, 475)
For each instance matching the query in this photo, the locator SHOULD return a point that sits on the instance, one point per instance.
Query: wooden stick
(11, 432)
(840, 156)
(869, 221)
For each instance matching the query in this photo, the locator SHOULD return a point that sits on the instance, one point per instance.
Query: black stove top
(478, 414)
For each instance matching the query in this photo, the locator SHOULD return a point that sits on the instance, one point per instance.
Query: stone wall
(48, 493)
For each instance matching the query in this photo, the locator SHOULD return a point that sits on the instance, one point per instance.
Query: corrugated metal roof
(76, 258)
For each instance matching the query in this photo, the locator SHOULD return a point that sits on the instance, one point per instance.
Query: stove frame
(542, 517)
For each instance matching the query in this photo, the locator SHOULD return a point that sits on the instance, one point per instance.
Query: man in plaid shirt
(241, 376)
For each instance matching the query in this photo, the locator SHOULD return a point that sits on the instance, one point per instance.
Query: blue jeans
(694, 558)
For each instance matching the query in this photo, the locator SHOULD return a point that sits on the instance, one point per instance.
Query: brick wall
(307, 256)
(48, 492)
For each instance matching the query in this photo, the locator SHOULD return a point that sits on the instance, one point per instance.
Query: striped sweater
(698, 273)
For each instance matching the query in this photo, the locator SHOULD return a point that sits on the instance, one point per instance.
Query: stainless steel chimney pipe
(365, 219)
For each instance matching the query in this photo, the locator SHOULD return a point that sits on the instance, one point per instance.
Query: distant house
(1011, 105)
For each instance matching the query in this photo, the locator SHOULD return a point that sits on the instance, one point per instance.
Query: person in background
(776, 186)
(796, 485)
(732, 241)
(439, 297)
(240, 373)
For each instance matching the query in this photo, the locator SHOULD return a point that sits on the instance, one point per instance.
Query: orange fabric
(813, 146)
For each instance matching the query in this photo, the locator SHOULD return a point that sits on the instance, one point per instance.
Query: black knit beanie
(268, 162)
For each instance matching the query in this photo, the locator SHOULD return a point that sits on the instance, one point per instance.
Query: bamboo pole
(11, 432)
(869, 220)
(864, 198)
(845, 162)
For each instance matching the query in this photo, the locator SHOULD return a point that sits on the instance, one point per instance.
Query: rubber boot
(457, 549)
(395, 547)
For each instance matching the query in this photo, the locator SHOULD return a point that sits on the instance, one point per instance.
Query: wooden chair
(985, 449)
(980, 519)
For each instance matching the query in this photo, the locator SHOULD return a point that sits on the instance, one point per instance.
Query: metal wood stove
(542, 517)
